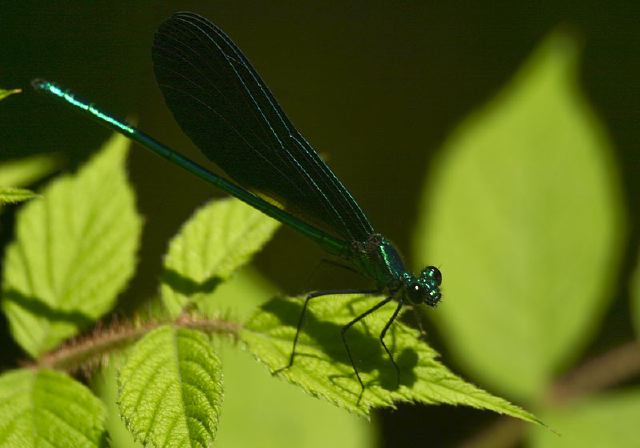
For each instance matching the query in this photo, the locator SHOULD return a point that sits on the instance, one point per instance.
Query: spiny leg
(353, 322)
(315, 295)
(384, 332)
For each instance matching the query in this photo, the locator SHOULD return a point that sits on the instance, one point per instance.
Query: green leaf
(219, 238)
(322, 367)
(47, 408)
(6, 93)
(10, 195)
(171, 389)
(526, 220)
(602, 421)
(21, 172)
(74, 252)
(275, 404)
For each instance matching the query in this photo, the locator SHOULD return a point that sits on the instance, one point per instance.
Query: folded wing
(221, 103)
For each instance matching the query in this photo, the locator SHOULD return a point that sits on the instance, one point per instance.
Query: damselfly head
(425, 288)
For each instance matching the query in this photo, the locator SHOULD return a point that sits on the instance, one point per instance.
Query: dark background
(375, 86)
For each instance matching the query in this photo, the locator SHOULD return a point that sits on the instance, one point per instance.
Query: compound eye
(433, 299)
(433, 273)
(415, 293)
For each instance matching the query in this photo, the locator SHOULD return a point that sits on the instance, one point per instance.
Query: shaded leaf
(601, 421)
(73, 254)
(218, 239)
(526, 219)
(47, 408)
(171, 389)
(322, 367)
(10, 195)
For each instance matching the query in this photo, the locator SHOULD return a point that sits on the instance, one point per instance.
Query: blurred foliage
(635, 299)
(26, 171)
(11, 195)
(598, 421)
(526, 218)
(6, 93)
(524, 214)
(69, 262)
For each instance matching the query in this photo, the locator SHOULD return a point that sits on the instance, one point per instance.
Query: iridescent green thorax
(378, 259)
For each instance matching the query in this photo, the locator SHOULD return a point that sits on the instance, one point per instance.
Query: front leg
(384, 332)
(353, 322)
(315, 295)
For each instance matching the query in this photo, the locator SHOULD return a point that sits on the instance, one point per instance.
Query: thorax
(378, 259)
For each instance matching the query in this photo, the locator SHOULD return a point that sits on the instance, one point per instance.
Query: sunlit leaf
(322, 367)
(74, 252)
(171, 389)
(47, 408)
(524, 215)
(218, 239)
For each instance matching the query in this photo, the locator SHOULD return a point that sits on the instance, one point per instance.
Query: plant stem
(84, 353)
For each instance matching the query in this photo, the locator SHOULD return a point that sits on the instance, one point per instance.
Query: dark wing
(221, 103)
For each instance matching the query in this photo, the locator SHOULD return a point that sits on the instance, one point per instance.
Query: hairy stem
(90, 350)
